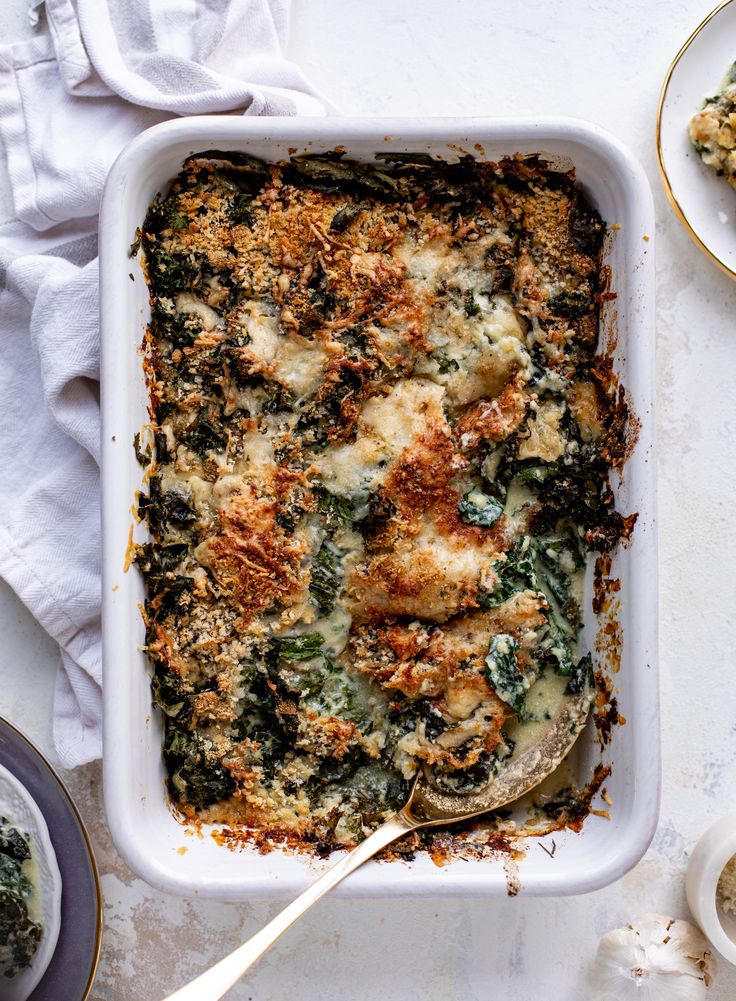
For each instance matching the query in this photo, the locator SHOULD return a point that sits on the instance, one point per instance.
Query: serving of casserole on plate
(375, 452)
(695, 139)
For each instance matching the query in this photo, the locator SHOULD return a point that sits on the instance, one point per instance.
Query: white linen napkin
(99, 72)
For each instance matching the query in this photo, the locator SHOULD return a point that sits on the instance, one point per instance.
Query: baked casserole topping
(382, 446)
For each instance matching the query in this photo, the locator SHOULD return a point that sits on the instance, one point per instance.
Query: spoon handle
(213, 983)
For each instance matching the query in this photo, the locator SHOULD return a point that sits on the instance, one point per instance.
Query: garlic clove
(655, 958)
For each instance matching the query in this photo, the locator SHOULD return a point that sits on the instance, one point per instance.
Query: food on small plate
(20, 934)
(378, 462)
(30, 891)
(713, 130)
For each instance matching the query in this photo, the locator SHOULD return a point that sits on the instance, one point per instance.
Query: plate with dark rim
(70, 974)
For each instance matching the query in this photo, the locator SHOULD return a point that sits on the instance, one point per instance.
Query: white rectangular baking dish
(143, 827)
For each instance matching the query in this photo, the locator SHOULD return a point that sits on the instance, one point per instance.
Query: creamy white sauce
(518, 497)
(33, 875)
(543, 702)
(188, 303)
(335, 630)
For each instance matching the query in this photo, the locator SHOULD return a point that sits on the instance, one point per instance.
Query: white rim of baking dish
(528, 134)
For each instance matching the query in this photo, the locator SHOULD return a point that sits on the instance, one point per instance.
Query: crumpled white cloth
(98, 72)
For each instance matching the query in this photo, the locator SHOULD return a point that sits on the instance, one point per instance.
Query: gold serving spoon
(428, 806)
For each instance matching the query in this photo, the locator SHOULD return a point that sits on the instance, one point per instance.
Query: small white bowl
(707, 862)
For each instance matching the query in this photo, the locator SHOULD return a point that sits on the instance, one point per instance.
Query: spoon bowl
(431, 805)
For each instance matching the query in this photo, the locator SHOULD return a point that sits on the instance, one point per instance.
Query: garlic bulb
(654, 959)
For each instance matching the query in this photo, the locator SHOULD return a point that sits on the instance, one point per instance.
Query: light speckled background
(598, 60)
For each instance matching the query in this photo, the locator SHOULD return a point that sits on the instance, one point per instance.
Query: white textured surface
(605, 62)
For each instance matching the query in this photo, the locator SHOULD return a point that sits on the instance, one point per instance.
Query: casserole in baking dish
(249, 868)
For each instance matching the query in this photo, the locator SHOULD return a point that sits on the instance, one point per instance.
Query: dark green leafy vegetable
(570, 304)
(434, 721)
(169, 693)
(504, 674)
(573, 489)
(478, 508)
(202, 438)
(333, 769)
(576, 491)
(196, 773)
(325, 580)
(559, 558)
(171, 273)
(182, 329)
(157, 565)
(587, 229)
(415, 159)
(515, 574)
(12, 843)
(12, 876)
(555, 645)
(581, 676)
(177, 506)
(305, 647)
(19, 935)
(162, 449)
(342, 218)
(534, 473)
(142, 455)
(331, 174)
(378, 789)
(445, 364)
(285, 697)
(471, 306)
(174, 593)
(331, 693)
(241, 210)
(503, 278)
(248, 170)
(567, 550)
(164, 214)
(171, 556)
(467, 779)
(558, 584)
(259, 719)
(334, 505)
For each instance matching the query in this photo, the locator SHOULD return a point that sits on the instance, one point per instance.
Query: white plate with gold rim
(19, 808)
(704, 202)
